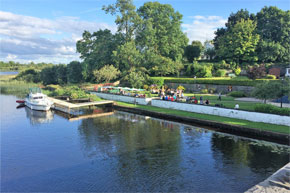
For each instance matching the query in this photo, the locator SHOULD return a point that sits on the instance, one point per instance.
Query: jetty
(70, 108)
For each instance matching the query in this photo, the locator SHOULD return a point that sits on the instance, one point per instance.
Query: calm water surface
(8, 73)
(44, 152)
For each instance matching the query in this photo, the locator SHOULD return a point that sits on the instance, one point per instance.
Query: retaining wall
(238, 114)
(127, 99)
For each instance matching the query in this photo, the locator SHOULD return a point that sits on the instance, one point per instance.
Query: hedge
(216, 81)
(266, 108)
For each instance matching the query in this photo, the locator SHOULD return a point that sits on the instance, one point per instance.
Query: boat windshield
(37, 97)
(34, 90)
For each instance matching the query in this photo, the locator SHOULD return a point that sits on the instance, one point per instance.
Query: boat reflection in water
(38, 117)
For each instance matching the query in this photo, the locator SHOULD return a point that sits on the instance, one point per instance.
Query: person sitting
(166, 98)
(195, 101)
(207, 102)
(201, 102)
(237, 106)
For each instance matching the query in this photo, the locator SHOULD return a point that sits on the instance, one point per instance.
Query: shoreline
(217, 126)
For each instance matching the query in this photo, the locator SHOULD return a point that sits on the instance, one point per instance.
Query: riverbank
(256, 130)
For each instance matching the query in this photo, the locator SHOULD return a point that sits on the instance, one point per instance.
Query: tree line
(149, 42)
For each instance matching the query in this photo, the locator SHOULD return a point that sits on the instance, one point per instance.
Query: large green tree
(239, 43)
(126, 16)
(127, 56)
(160, 30)
(96, 49)
(74, 72)
(193, 51)
(273, 25)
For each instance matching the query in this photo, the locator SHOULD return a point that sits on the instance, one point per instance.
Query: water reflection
(38, 117)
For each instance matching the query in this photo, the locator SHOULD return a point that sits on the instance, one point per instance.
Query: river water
(45, 152)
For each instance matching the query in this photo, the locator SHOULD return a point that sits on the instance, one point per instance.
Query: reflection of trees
(140, 145)
(260, 157)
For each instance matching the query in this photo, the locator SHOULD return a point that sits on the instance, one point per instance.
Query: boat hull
(37, 107)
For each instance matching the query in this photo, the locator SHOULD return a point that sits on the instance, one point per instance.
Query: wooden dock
(68, 107)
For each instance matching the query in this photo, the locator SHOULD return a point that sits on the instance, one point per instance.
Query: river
(123, 152)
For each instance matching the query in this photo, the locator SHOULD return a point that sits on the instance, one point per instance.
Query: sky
(47, 30)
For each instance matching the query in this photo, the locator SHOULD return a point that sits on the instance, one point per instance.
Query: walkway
(249, 99)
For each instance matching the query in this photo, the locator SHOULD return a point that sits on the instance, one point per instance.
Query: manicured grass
(227, 101)
(226, 120)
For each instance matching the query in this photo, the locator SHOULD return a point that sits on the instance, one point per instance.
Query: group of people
(195, 101)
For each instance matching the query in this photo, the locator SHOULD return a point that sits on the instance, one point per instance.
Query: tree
(136, 77)
(274, 28)
(233, 19)
(282, 88)
(74, 72)
(127, 56)
(54, 75)
(264, 91)
(106, 73)
(96, 49)
(127, 17)
(257, 71)
(160, 31)
(193, 51)
(239, 44)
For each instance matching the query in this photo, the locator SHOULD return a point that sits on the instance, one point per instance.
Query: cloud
(202, 28)
(25, 38)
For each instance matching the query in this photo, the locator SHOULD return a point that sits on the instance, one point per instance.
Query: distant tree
(74, 72)
(160, 30)
(274, 28)
(282, 88)
(136, 78)
(106, 73)
(96, 49)
(239, 44)
(56, 74)
(193, 51)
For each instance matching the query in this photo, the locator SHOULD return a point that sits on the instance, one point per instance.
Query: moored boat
(36, 100)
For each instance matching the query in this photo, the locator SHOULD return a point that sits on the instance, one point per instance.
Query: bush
(145, 86)
(237, 94)
(157, 81)
(270, 76)
(255, 72)
(204, 91)
(266, 108)
(29, 75)
(237, 71)
(221, 73)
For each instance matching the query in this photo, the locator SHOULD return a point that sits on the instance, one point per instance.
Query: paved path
(248, 99)
(279, 182)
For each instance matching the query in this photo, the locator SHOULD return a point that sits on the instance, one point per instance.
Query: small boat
(36, 100)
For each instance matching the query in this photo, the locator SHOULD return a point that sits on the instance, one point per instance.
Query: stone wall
(217, 88)
(238, 114)
(127, 99)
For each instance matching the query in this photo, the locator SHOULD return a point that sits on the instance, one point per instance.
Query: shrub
(29, 75)
(237, 71)
(237, 94)
(146, 87)
(221, 73)
(204, 91)
(270, 76)
(266, 108)
(255, 72)
(157, 81)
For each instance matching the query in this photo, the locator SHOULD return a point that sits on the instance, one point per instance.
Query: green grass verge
(226, 120)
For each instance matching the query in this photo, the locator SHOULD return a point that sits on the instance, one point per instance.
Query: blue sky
(47, 30)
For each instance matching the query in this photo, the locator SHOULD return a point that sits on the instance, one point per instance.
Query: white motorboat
(36, 100)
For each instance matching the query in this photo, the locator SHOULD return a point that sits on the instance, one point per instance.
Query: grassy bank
(249, 124)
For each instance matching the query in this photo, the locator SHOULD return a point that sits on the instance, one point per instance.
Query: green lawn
(227, 101)
(249, 124)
